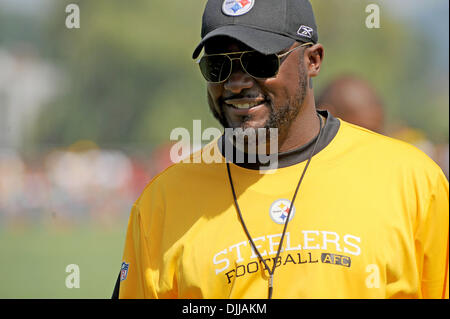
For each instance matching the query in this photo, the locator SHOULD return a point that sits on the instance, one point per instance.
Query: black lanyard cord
(271, 272)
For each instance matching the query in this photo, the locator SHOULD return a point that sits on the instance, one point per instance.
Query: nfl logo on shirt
(124, 271)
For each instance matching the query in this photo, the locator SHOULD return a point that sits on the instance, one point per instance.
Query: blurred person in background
(12, 186)
(354, 100)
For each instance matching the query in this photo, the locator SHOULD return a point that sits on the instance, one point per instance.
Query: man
(353, 100)
(347, 213)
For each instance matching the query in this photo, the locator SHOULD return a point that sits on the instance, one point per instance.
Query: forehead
(224, 45)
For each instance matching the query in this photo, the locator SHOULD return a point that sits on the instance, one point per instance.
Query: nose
(239, 79)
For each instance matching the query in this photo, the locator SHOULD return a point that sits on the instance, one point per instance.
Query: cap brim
(259, 40)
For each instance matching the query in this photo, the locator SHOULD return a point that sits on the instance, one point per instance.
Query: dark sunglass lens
(259, 65)
(215, 68)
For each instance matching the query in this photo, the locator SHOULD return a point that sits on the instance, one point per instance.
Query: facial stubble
(280, 118)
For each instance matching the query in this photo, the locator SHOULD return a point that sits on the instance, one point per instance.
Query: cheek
(285, 85)
(214, 91)
(279, 90)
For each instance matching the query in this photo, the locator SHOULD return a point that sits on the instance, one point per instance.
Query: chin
(252, 124)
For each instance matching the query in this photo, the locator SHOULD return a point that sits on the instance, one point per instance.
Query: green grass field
(34, 261)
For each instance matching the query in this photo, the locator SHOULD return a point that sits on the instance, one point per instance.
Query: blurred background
(86, 115)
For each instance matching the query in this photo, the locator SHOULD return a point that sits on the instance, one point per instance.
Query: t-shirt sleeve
(432, 243)
(139, 269)
(134, 279)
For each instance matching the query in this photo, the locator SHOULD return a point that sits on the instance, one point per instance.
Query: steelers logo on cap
(279, 211)
(237, 7)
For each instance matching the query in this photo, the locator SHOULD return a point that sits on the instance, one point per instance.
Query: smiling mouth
(244, 104)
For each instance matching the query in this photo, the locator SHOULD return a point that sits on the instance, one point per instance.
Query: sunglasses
(217, 68)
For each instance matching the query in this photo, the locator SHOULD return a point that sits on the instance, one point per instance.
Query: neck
(285, 159)
(302, 129)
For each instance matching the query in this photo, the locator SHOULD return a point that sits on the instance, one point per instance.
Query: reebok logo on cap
(237, 7)
(305, 31)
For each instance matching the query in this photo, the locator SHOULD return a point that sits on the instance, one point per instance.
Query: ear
(313, 59)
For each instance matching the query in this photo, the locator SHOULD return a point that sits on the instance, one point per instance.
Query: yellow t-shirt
(370, 221)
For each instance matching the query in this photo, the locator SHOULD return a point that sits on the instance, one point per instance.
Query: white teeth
(244, 105)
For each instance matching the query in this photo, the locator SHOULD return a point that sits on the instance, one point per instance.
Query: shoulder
(384, 148)
(185, 175)
(385, 158)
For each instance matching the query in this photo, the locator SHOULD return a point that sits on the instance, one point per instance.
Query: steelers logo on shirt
(279, 211)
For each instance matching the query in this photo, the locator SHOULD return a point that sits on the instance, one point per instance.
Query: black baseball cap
(267, 26)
